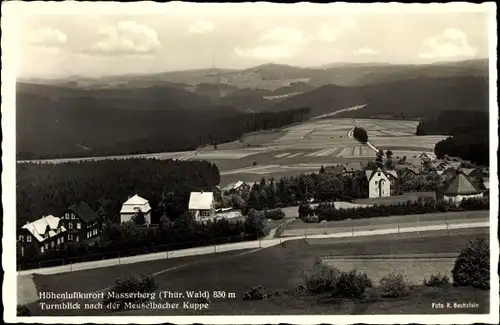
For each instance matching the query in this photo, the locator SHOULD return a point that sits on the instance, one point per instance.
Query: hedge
(328, 212)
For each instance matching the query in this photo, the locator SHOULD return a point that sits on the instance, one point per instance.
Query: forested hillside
(44, 189)
(468, 130)
(408, 98)
(57, 122)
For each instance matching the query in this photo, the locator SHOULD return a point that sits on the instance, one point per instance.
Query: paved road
(245, 245)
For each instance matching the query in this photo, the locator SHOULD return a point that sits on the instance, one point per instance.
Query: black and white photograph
(249, 163)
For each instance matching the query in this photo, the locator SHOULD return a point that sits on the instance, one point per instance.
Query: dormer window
(21, 238)
(28, 238)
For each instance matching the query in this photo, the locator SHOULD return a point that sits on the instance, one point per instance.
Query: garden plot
(346, 152)
(415, 270)
(409, 142)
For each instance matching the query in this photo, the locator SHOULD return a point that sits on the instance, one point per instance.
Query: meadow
(277, 269)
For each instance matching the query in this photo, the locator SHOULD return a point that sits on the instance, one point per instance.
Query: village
(451, 179)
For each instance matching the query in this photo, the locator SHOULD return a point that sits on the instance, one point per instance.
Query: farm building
(132, 206)
(43, 234)
(458, 188)
(415, 162)
(82, 223)
(426, 157)
(201, 205)
(381, 183)
(336, 170)
(410, 171)
(241, 188)
(353, 167)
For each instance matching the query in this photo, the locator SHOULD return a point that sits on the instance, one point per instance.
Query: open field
(237, 272)
(300, 228)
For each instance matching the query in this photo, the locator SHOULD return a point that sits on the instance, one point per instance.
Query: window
(88, 234)
(376, 182)
(62, 240)
(70, 225)
(72, 216)
(205, 213)
(28, 239)
(58, 241)
(41, 249)
(21, 238)
(78, 225)
(77, 238)
(70, 237)
(378, 174)
(52, 244)
(46, 246)
(67, 215)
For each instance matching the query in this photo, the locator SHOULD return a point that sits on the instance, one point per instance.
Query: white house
(458, 188)
(381, 183)
(44, 233)
(239, 188)
(201, 205)
(132, 205)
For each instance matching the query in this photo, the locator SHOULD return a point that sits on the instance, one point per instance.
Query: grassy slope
(276, 268)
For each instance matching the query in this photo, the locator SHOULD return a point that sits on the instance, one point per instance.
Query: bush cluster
(328, 212)
(256, 293)
(472, 266)
(394, 286)
(22, 310)
(352, 284)
(437, 280)
(141, 284)
(321, 278)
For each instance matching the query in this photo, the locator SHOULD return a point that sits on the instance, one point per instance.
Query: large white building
(381, 183)
(201, 205)
(132, 206)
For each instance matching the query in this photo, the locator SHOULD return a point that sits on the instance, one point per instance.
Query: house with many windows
(382, 183)
(133, 205)
(201, 205)
(83, 224)
(241, 188)
(43, 234)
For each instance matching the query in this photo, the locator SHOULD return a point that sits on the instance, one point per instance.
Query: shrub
(256, 293)
(394, 286)
(275, 214)
(352, 284)
(143, 284)
(22, 310)
(437, 280)
(321, 278)
(310, 219)
(472, 266)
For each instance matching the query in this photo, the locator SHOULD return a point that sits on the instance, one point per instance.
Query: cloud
(126, 38)
(451, 43)
(279, 42)
(201, 27)
(328, 34)
(46, 37)
(365, 51)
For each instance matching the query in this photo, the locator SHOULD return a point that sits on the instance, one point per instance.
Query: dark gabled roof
(461, 185)
(353, 166)
(336, 170)
(84, 212)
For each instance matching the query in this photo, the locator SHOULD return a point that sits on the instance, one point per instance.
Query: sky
(97, 41)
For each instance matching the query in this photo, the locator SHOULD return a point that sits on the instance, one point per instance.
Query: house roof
(353, 166)
(417, 162)
(370, 173)
(84, 212)
(461, 185)
(467, 171)
(134, 203)
(335, 169)
(39, 227)
(201, 200)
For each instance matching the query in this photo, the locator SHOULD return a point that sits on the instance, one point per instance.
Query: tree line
(270, 194)
(44, 189)
(469, 134)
